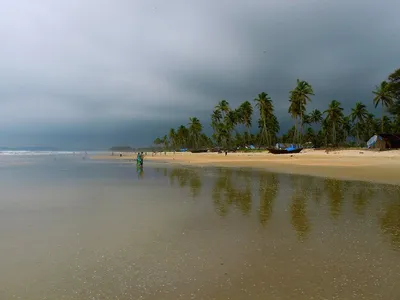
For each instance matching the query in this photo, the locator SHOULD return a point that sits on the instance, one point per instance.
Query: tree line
(232, 127)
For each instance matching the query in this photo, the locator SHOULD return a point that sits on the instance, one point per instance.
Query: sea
(72, 227)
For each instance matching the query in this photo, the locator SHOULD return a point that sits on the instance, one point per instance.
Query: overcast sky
(95, 73)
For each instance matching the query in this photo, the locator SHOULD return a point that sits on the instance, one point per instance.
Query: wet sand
(382, 167)
(176, 232)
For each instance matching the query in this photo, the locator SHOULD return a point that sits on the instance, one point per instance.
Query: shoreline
(359, 165)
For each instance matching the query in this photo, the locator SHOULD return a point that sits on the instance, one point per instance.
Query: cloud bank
(97, 72)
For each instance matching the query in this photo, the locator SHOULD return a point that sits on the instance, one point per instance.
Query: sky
(98, 73)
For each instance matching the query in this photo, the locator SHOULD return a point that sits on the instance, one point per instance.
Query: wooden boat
(199, 151)
(284, 151)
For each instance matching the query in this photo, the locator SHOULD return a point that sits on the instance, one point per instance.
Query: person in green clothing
(141, 159)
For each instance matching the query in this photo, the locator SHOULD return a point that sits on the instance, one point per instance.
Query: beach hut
(384, 141)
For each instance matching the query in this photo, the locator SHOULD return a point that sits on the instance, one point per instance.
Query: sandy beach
(382, 167)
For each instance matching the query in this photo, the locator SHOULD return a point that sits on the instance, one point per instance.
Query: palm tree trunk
(301, 126)
(382, 119)
(358, 136)
(334, 134)
(248, 135)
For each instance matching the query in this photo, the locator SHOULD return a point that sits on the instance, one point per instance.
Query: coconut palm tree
(315, 117)
(165, 141)
(384, 96)
(223, 107)
(294, 111)
(394, 84)
(172, 137)
(346, 127)
(310, 135)
(359, 114)
(182, 135)
(157, 141)
(306, 120)
(216, 117)
(369, 126)
(301, 94)
(231, 120)
(266, 109)
(222, 135)
(334, 115)
(246, 113)
(195, 128)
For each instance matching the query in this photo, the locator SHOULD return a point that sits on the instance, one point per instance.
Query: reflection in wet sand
(233, 188)
(335, 193)
(186, 177)
(390, 220)
(298, 208)
(361, 196)
(268, 190)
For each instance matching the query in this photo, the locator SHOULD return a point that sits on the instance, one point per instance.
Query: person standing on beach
(141, 159)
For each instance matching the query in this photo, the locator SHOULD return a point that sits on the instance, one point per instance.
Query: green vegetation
(232, 126)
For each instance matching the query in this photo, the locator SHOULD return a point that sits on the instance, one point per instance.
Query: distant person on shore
(141, 159)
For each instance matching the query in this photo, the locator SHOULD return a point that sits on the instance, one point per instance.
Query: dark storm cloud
(107, 69)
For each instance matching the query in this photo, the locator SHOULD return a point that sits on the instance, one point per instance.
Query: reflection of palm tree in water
(361, 196)
(335, 193)
(268, 190)
(390, 221)
(186, 177)
(302, 190)
(227, 191)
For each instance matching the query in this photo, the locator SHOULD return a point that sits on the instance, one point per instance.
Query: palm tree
(223, 107)
(310, 135)
(359, 113)
(182, 136)
(315, 117)
(384, 95)
(346, 127)
(294, 111)
(165, 141)
(306, 120)
(369, 126)
(301, 94)
(231, 120)
(221, 136)
(334, 115)
(394, 84)
(195, 128)
(266, 109)
(172, 137)
(157, 141)
(246, 113)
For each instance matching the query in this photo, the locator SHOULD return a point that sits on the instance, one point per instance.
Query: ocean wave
(43, 153)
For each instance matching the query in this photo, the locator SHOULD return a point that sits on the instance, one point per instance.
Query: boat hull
(199, 151)
(284, 151)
